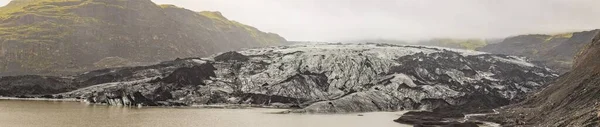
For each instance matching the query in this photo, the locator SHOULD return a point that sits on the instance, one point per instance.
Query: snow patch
(515, 60)
(198, 61)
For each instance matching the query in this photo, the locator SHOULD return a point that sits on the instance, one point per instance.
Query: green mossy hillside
(224, 23)
(60, 36)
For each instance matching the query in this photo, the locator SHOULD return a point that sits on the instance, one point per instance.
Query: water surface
(76, 114)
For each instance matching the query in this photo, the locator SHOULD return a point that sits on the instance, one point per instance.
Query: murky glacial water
(75, 114)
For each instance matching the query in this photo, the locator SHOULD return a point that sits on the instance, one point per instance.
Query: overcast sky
(335, 20)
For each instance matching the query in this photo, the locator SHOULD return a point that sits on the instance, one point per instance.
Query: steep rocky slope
(62, 36)
(322, 78)
(555, 51)
(573, 100)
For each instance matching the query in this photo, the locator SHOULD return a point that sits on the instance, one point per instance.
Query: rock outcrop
(572, 100)
(323, 78)
(53, 37)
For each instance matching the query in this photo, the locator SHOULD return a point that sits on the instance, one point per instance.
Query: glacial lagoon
(77, 114)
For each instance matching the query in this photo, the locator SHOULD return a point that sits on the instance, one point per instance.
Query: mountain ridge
(65, 36)
(555, 51)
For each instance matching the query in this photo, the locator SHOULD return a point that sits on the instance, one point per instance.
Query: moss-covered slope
(61, 36)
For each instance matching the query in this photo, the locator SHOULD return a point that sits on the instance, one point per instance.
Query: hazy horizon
(334, 20)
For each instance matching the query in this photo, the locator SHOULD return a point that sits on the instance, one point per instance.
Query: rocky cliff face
(322, 78)
(570, 101)
(555, 51)
(63, 36)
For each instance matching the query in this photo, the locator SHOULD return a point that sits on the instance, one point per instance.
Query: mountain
(572, 100)
(555, 51)
(470, 44)
(56, 37)
(316, 78)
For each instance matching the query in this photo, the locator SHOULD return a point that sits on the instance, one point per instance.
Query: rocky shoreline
(211, 106)
(446, 117)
